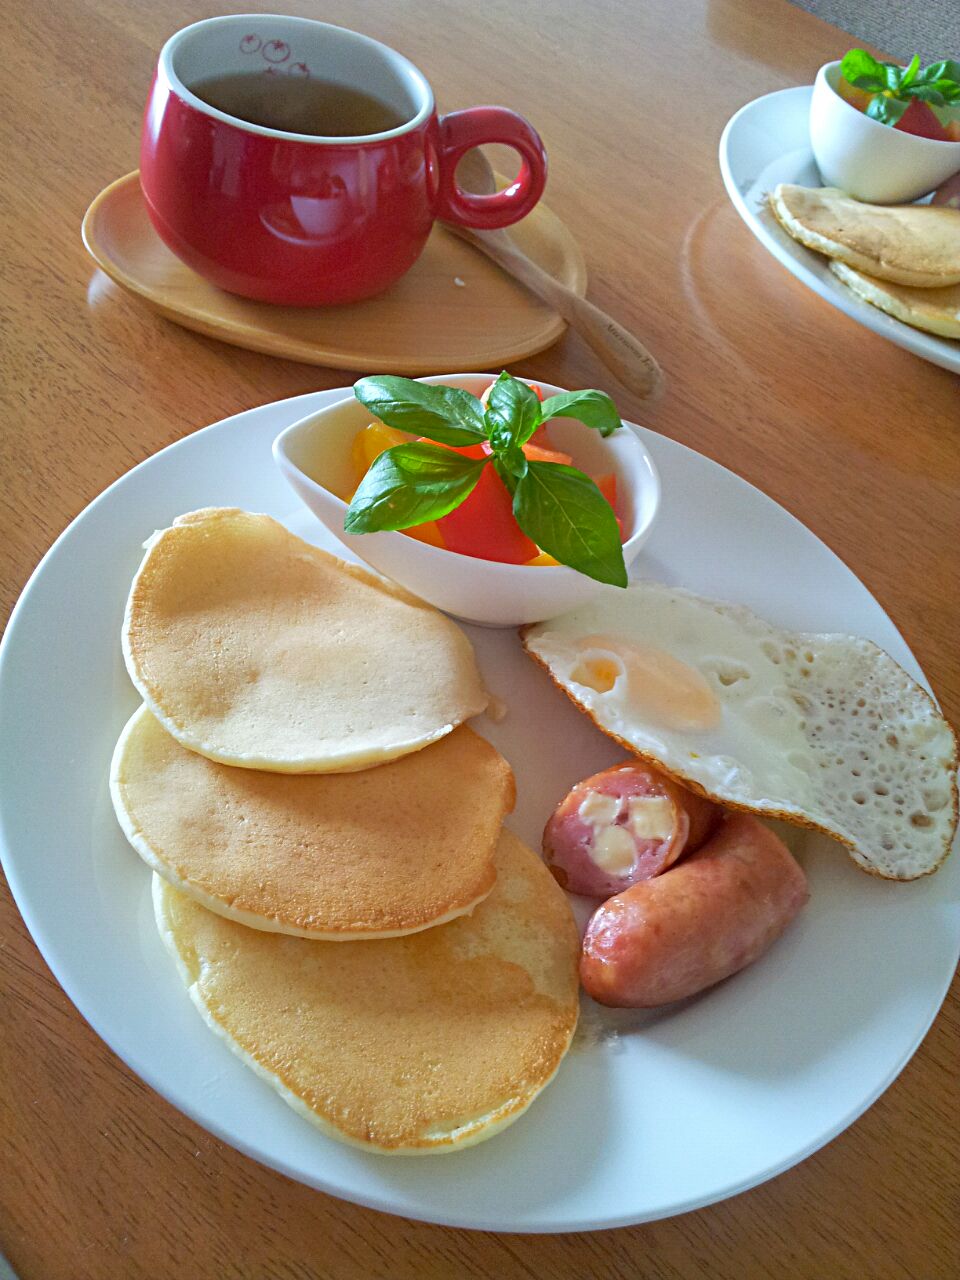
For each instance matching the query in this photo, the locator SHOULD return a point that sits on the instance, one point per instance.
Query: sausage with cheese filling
(718, 911)
(625, 824)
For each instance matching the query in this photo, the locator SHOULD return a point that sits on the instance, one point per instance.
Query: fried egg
(824, 731)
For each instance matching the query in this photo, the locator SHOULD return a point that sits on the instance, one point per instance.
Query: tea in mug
(298, 104)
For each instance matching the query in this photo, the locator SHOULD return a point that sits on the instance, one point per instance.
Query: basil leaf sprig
(894, 86)
(556, 506)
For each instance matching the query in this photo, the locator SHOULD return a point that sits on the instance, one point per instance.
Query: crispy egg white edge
(863, 857)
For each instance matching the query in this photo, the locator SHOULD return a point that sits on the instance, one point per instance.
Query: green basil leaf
(946, 69)
(410, 484)
(511, 465)
(872, 84)
(927, 75)
(927, 93)
(445, 414)
(886, 110)
(513, 413)
(565, 514)
(910, 74)
(860, 69)
(948, 89)
(592, 408)
(893, 76)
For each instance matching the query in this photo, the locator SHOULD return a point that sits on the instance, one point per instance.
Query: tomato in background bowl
(869, 160)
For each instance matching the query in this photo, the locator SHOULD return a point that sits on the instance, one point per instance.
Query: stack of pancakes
(903, 259)
(331, 872)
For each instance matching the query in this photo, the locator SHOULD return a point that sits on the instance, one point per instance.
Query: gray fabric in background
(900, 28)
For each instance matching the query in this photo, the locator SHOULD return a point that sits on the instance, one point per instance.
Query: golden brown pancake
(912, 244)
(377, 853)
(373, 854)
(933, 310)
(259, 650)
(420, 1044)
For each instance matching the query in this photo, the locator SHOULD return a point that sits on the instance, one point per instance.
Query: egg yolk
(659, 686)
(598, 672)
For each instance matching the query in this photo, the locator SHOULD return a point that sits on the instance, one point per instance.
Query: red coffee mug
(304, 220)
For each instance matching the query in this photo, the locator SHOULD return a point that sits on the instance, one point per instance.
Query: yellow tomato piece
(370, 442)
(543, 558)
(428, 533)
(859, 98)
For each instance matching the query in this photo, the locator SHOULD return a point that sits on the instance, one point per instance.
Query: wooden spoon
(621, 352)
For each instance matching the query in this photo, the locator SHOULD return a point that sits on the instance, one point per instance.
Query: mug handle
(460, 132)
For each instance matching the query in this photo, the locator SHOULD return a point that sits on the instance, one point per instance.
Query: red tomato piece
(468, 450)
(538, 452)
(919, 119)
(483, 525)
(607, 485)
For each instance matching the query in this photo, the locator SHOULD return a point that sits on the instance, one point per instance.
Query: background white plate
(650, 1115)
(768, 141)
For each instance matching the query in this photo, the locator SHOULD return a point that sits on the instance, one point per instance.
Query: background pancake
(907, 244)
(418, 1044)
(259, 650)
(378, 853)
(934, 310)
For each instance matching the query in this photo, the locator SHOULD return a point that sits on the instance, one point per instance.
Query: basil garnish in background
(557, 506)
(894, 86)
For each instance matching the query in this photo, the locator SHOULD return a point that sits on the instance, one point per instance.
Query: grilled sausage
(625, 824)
(670, 937)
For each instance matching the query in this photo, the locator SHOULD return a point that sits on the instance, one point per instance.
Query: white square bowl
(314, 455)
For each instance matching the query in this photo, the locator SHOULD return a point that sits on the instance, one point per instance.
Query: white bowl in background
(767, 142)
(314, 455)
(869, 160)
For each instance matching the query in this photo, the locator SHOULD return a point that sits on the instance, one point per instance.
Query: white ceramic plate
(651, 1114)
(768, 141)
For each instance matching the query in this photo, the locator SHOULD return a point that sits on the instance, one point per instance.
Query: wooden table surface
(99, 1177)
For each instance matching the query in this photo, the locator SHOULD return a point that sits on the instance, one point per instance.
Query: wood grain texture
(99, 1178)
(451, 310)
